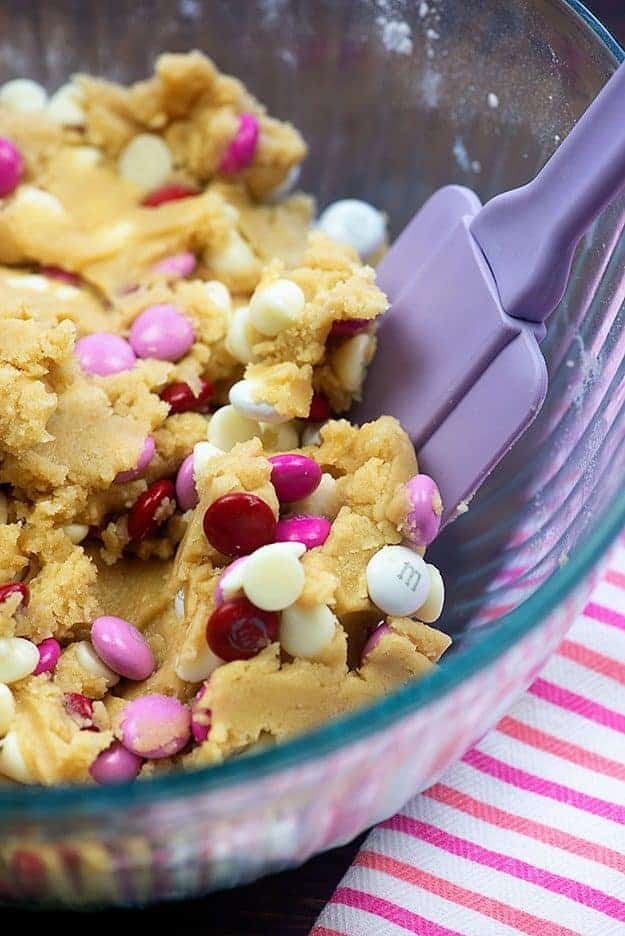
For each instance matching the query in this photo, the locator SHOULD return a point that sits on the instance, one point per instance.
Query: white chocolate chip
(240, 337)
(219, 294)
(228, 426)
(273, 576)
(4, 508)
(234, 260)
(64, 107)
(115, 236)
(354, 222)
(279, 437)
(324, 502)
(23, 95)
(287, 185)
(276, 307)
(194, 667)
(398, 581)
(349, 361)
(85, 157)
(35, 197)
(432, 608)
(203, 453)
(65, 292)
(243, 397)
(146, 161)
(76, 532)
(179, 603)
(91, 662)
(307, 631)
(311, 434)
(12, 763)
(18, 658)
(7, 709)
(231, 581)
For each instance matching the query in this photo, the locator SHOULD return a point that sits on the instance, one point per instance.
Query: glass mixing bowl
(396, 98)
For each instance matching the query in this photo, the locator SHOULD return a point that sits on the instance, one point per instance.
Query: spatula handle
(528, 236)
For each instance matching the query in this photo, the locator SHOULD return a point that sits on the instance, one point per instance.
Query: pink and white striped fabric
(527, 833)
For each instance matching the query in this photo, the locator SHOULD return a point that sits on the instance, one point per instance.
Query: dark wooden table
(284, 904)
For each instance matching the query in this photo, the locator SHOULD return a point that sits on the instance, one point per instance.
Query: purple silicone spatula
(470, 288)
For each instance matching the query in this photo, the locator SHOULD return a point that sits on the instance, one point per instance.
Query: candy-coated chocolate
(15, 588)
(423, 518)
(11, 167)
(186, 491)
(80, 708)
(115, 765)
(168, 193)
(294, 476)
(177, 265)
(151, 509)
(145, 457)
(155, 726)
(49, 653)
(182, 399)
(311, 531)
(161, 332)
(238, 523)
(398, 581)
(345, 328)
(241, 149)
(122, 647)
(230, 582)
(237, 630)
(200, 717)
(319, 408)
(380, 631)
(104, 353)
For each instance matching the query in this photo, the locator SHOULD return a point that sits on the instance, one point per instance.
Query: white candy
(305, 632)
(276, 307)
(431, 610)
(194, 667)
(311, 434)
(23, 95)
(179, 603)
(76, 532)
(28, 281)
(219, 294)
(203, 454)
(287, 185)
(228, 426)
(12, 763)
(354, 222)
(64, 106)
(91, 662)
(242, 396)
(349, 361)
(273, 576)
(231, 581)
(235, 260)
(324, 502)
(146, 161)
(35, 197)
(279, 437)
(7, 709)
(398, 581)
(18, 658)
(240, 338)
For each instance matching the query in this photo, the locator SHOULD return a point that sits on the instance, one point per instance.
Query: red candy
(80, 708)
(319, 408)
(58, 273)
(238, 630)
(142, 519)
(182, 399)
(173, 192)
(238, 523)
(15, 588)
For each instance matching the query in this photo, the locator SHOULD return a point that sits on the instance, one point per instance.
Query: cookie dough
(170, 323)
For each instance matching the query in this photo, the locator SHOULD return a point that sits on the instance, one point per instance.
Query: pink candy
(240, 152)
(49, 653)
(145, 457)
(423, 519)
(311, 531)
(218, 597)
(155, 726)
(103, 353)
(348, 327)
(115, 765)
(11, 167)
(161, 332)
(294, 476)
(381, 631)
(200, 718)
(186, 492)
(122, 647)
(177, 266)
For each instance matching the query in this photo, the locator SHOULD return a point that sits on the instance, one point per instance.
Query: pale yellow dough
(65, 435)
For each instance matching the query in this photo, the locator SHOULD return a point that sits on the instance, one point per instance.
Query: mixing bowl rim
(36, 802)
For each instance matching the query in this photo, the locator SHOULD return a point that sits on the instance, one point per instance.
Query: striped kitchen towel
(527, 833)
